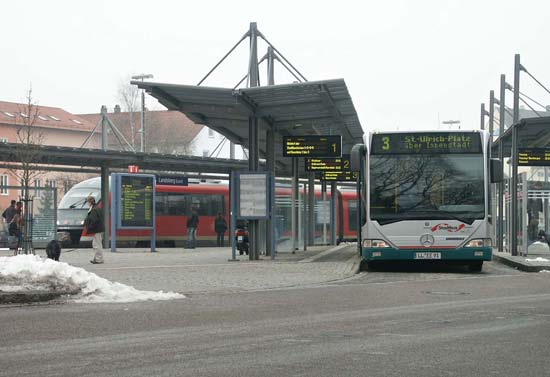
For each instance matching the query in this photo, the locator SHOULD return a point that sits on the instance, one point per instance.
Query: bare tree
(128, 95)
(29, 135)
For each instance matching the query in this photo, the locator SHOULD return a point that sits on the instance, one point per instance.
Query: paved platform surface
(524, 263)
(204, 270)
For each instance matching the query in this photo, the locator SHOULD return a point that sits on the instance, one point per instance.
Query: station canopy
(531, 133)
(299, 109)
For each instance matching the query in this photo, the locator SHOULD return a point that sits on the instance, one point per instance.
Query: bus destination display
(426, 143)
(312, 146)
(534, 156)
(136, 193)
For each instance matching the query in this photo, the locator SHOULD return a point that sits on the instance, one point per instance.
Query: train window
(207, 205)
(169, 204)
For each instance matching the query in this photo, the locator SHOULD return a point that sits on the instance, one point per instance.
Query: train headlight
(479, 242)
(375, 243)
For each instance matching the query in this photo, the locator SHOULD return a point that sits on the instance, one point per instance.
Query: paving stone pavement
(204, 270)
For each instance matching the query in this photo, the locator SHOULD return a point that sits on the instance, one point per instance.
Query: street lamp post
(142, 129)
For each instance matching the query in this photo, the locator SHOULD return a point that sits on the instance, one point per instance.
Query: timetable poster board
(328, 164)
(426, 143)
(533, 156)
(312, 146)
(137, 199)
(253, 196)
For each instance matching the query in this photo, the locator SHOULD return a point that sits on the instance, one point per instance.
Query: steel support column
(253, 147)
(311, 209)
(333, 220)
(270, 163)
(105, 204)
(294, 204)
(517, 67)
(500, 196)
(514, 193)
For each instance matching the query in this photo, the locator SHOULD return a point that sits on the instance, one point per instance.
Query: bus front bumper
(463, 253)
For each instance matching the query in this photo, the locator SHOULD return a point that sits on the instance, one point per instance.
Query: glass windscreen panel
(426, 186)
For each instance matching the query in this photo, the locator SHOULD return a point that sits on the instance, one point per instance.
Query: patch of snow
(33, 273)
(538, 259)
(544, 271)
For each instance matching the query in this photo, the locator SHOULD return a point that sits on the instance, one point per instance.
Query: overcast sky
(407, 64)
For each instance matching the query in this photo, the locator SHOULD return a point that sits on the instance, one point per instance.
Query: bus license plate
(427, 255)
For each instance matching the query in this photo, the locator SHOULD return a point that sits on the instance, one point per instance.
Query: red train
(173, 203)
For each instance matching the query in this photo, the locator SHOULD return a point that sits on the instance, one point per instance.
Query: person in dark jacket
(10, 212)
(14, 231)
(95, 226)
(192, 224)
(220, 226)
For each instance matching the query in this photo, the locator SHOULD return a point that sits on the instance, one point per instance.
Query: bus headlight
(479, 242)
(375, 243)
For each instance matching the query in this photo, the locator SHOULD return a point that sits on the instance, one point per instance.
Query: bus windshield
(426, 186)
(76, 198)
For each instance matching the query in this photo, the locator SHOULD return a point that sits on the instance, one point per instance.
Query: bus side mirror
(357, 157)
(496, 171)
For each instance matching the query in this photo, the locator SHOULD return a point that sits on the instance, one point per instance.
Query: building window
(43, 118)
(54, 118)
(210, 133)
(50, 183)
(8, 114)
(3, 140)
(3, 184)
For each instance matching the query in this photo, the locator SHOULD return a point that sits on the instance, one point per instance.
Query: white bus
(426, 196)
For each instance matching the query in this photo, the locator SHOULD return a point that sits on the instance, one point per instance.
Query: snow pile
(545, 271)
(538, 259)
(32, 273)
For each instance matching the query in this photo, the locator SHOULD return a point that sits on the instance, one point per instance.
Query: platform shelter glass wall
(533, 208)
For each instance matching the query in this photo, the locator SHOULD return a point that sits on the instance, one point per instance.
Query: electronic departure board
(328, 164)
(426, 143)
(312, 146)
(534, 156)
(136, 201)
(339, 176)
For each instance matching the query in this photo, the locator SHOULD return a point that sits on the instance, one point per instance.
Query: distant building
(169, 132)
(55, 126)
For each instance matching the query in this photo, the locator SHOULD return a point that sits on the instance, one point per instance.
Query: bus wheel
(475, 266)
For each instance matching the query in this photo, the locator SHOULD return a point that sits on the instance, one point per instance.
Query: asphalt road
(397, 322)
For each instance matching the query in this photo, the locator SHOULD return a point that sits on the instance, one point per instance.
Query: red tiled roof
(49, 117)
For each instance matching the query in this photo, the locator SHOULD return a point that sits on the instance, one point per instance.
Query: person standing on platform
(95, 226)
(192, 224)
(9, 212)
(220, 225)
